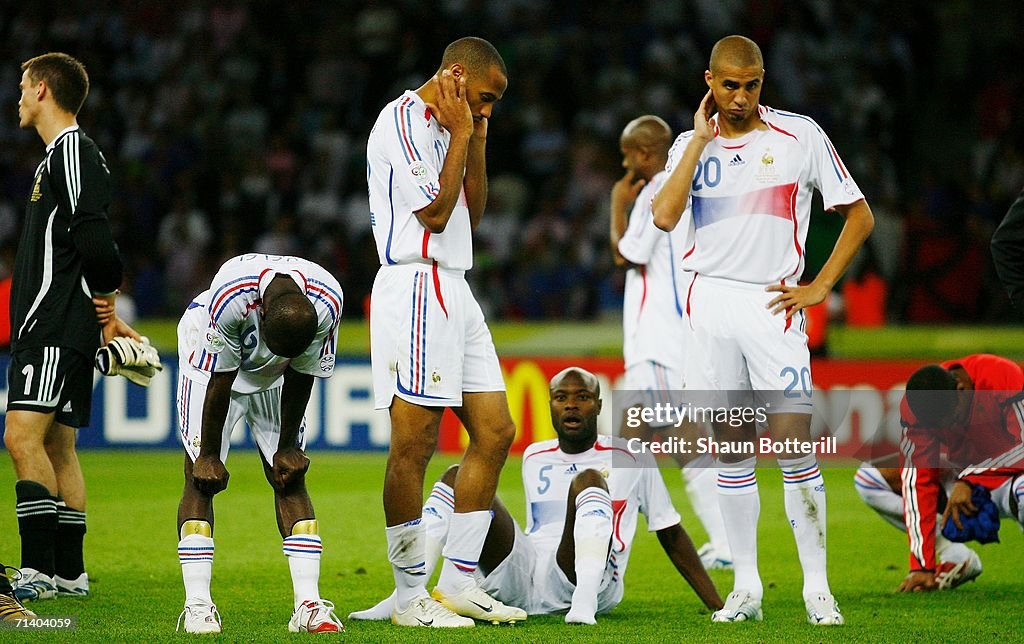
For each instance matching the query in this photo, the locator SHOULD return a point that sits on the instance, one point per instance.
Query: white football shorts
(534, 582)
(261, 410)
(651, 383)
(736, 344)
(429, 342)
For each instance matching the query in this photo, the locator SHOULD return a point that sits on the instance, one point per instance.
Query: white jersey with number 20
(750, 200)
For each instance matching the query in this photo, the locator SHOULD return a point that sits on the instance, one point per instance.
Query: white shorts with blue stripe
(429, 342)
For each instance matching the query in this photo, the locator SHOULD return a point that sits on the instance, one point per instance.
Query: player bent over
(583, 495)
(249, 348)
(970, 408)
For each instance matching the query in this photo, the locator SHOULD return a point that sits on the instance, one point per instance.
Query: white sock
(701, 480)
(303, 554)
(437, 515)
(805, 507)
(881, 498)
(195, 553)
(741, 508)
(405, 552)
(592, 534)
(466, 534)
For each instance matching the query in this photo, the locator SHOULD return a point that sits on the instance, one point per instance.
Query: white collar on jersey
(53, 143)
(269, 274)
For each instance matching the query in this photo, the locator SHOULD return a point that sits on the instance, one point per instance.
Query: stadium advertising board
(858, 401)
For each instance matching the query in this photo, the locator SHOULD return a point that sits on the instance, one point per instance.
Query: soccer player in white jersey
(742, 181)
(652, 312)
(249, 348)
(430, 347)
(584, 493)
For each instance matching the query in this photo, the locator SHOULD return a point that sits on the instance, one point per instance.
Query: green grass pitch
(137, 593)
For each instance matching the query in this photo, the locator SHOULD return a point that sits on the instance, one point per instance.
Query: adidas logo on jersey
(572, 469)
(736, 160)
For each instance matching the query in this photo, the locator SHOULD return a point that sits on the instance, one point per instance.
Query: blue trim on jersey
(672, 269)
(398, 131)
(391, 224)
(326, 300)
(828, 144)
(227, 287)
(408, 123)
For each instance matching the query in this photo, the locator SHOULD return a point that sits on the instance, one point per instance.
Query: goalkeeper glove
(136, 361)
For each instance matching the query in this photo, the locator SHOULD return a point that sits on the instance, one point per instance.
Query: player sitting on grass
(972, 409)
(583, 495)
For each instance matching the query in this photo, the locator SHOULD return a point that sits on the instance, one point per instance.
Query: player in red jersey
(973, 409)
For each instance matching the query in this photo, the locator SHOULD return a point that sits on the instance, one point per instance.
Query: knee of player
(448, 478)
(871, 481)
(20, 444)
(499, 437)
(588, 478)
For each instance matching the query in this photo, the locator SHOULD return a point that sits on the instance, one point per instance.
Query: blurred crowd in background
(241, 126)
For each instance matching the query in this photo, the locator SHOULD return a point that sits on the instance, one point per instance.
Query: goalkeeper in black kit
(62, 310)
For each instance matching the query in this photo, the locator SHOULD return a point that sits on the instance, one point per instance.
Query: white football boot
(32, 585)
(822, 610)
(712, 560)
(739, 607)
(475, 603)
(315, 616)
(951, 574)
(78, 587)
(199, 618)
(428, 612)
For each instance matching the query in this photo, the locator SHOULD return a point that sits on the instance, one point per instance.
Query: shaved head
(475, 54)
(735, 51)
(588, 379)
(648, 131)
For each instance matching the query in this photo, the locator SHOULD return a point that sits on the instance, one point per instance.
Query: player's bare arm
(624, 193)
(959, 504)
(452, 111)
(290, 463)
(679, 548)
(208, 473)
(112, 325)
(670, 201)
(859, 223)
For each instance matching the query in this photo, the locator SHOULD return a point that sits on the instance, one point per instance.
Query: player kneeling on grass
(249, 347)
(583, 495)
(967, 411)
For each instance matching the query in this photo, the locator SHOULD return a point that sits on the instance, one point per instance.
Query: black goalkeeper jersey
(51, 301)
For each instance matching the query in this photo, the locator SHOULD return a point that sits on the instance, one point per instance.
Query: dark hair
(289, 325)
(64, 75)
(931, 394)
(476, 54)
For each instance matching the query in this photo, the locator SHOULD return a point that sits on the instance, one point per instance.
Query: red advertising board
(862, 399)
